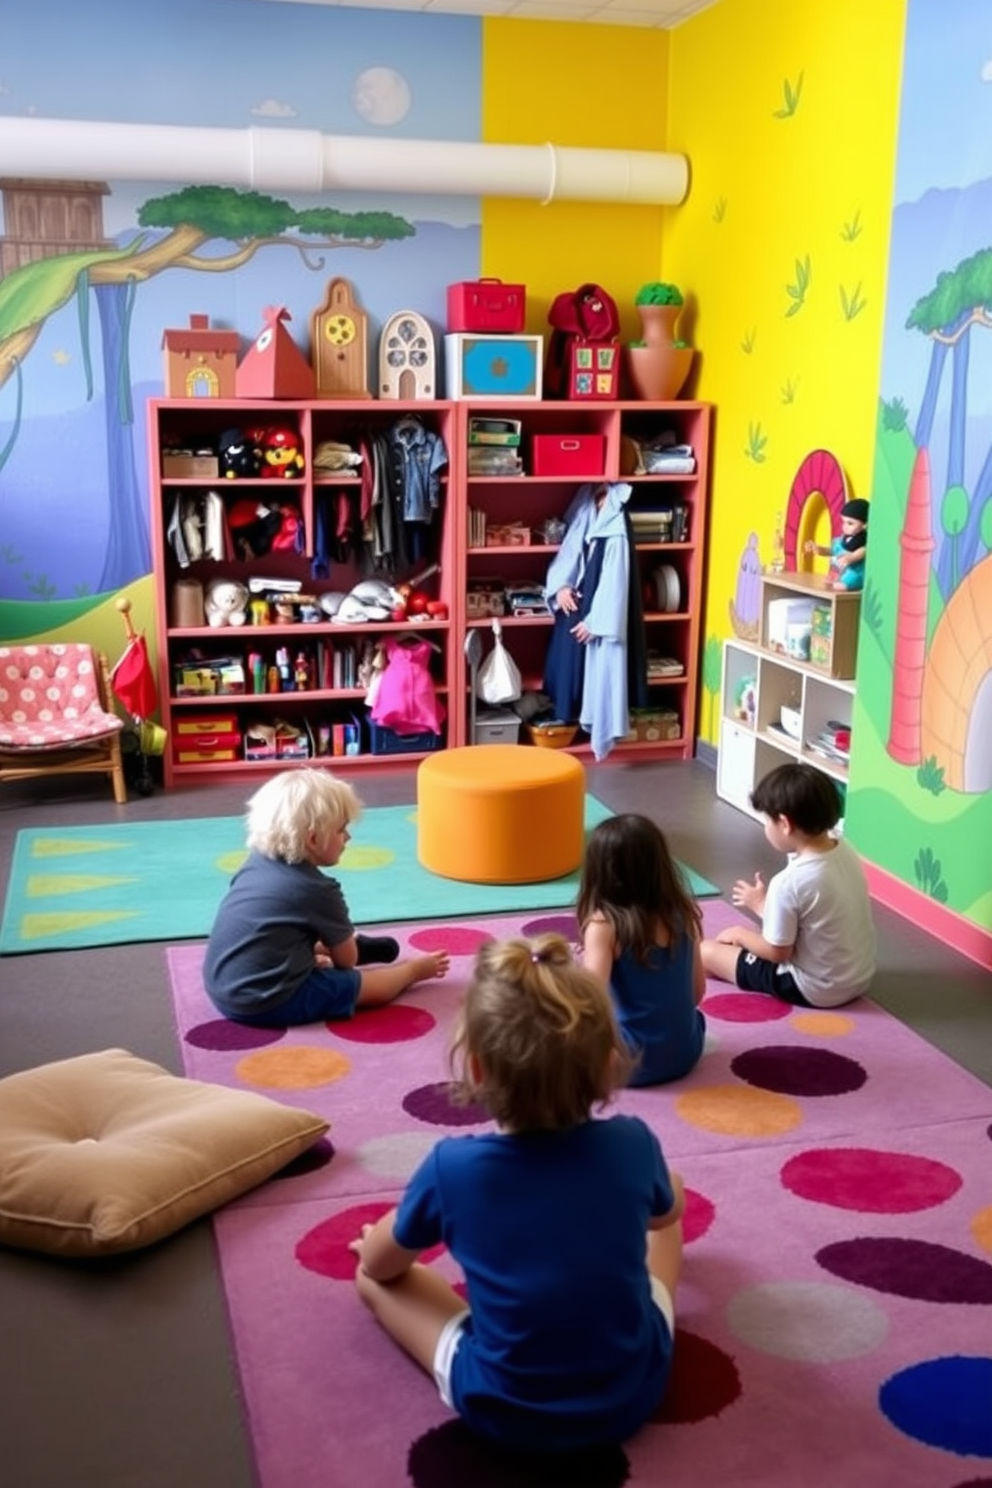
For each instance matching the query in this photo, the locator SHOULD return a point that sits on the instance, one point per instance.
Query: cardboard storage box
(497, 726)
(486, 305)
(503, 367)
(197, 467)
(508, 535)
(568, 454)
(650, 725)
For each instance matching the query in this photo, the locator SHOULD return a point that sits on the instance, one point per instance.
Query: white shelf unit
(755, 685)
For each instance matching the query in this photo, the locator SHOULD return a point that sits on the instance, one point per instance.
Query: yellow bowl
(552, 735)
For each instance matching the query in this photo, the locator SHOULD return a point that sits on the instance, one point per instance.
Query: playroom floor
(146, 1335)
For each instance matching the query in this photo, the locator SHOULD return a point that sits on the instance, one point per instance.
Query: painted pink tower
(916, 543)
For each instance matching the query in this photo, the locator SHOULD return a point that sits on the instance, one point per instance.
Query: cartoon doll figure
(847, 552)
(282, 458)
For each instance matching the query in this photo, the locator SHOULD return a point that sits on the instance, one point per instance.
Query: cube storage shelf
(670, 572)
(759, 680)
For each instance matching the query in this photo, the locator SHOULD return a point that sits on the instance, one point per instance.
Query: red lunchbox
(487, 305)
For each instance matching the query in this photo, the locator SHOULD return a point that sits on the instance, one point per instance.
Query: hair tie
(535, 956)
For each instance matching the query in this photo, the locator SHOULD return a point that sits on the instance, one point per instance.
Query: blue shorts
(755, 974)
(328, 992)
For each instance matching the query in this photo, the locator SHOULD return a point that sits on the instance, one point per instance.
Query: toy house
(200, 362)
(274, 366)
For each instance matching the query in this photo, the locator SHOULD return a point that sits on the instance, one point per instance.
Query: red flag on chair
(133, 680)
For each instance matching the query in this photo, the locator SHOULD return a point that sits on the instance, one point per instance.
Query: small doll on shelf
(847, 552)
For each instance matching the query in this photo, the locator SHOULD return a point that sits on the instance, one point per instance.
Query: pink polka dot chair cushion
(49, 697)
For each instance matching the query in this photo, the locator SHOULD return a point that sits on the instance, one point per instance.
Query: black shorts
(755, 974)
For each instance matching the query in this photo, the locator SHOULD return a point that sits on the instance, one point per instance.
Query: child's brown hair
(630, 877)
(537, 1042)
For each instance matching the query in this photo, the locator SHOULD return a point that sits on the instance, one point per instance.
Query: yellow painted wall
(593, 87)
(773, 185)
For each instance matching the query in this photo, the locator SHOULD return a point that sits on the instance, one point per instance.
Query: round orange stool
(500, 813)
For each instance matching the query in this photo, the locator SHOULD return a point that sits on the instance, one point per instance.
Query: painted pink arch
(819, 474)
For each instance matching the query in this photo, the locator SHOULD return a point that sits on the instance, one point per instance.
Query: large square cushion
(107, 1152)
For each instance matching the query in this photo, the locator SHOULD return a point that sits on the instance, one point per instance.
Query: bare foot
(436, 964)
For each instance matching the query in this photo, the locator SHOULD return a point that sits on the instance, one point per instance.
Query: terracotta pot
(657, 373)
(658, 323)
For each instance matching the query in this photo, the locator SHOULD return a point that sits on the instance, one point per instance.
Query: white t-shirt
(821, 905)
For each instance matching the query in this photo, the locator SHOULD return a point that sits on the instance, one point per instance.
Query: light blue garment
(604, 714)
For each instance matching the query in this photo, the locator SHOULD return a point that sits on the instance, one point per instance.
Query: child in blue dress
(641, 931)
(567, 1228)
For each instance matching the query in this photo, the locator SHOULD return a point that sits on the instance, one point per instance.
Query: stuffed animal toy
(371, 599)
(225, 602)
(240, 457)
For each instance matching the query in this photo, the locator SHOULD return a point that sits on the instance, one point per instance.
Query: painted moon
(379, 95)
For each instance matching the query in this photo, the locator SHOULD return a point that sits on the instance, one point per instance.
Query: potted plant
(658, 365)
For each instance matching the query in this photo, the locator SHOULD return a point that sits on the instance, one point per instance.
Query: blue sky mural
(72, 459)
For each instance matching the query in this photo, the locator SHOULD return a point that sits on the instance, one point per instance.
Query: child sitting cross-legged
(816, 944)
(641, 931)
(567, 1227)
(282, 949)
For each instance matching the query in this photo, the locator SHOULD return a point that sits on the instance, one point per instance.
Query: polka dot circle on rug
(451, 1456)
(809, 1320)
(324, 1249)
(944, 1403)
(433, 1103)
(397, 1023)
(869, 1181)
(395, 1156)
(823, 1025)
(738, 1111)
(703, 1383)
(316, 1157)
(744, 1007)
(559, 924)
(365, 857)
(917, 1269)
(699, 1214)
(221, 1034)
(981, 1228)
(800, 1072)
(229, 863)
(457, 940)
(293, 1067)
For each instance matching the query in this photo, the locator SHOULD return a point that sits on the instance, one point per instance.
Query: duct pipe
(304, 160)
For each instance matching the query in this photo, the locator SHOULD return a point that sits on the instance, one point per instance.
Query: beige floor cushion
(107, 1152)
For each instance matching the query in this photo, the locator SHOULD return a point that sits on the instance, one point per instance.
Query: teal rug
(113, 885)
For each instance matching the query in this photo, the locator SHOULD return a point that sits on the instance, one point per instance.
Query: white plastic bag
(499, 679)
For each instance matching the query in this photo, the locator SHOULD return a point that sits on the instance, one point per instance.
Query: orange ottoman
(500, 813)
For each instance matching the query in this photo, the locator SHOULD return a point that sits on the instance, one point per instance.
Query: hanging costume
(596, 682)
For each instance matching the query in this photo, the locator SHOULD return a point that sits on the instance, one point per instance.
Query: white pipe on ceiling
(304, 160)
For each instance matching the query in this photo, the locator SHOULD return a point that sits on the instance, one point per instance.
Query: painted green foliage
(926, 868)
(791, 93)
(797, 291)
(712, 668)
(756, 442)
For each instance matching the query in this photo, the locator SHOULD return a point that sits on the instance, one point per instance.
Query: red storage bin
(487, 305)
(568, 454)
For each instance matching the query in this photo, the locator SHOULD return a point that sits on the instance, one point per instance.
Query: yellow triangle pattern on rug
(63, 847)
(41, 926)
(48, 885)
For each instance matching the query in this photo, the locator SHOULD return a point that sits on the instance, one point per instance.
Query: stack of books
(833, 742)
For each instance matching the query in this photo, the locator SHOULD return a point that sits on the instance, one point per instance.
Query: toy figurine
(281, 454)
(239, 455)
(847, 552)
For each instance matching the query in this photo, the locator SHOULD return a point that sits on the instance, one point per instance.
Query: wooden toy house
(200, 362)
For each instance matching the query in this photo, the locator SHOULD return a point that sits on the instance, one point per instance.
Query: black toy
(239, 455)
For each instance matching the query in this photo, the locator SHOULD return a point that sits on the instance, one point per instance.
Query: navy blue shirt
(565, 1346)
(656, 1008)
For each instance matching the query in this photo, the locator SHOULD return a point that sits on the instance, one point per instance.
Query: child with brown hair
(641, 930)
(567, 1228)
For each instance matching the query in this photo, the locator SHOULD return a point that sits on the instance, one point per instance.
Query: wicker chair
(57, 714)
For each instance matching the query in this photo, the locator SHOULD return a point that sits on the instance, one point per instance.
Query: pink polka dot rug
(834, 1320)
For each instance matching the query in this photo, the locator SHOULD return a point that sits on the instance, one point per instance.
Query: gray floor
(119, 1374)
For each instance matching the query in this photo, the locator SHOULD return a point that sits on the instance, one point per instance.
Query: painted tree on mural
(959, 303)
(178, 228)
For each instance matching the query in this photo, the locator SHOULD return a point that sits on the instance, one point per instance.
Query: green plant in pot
(657, 366)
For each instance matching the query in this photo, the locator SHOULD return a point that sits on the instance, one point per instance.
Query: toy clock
(406, 357)
(338, 343)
